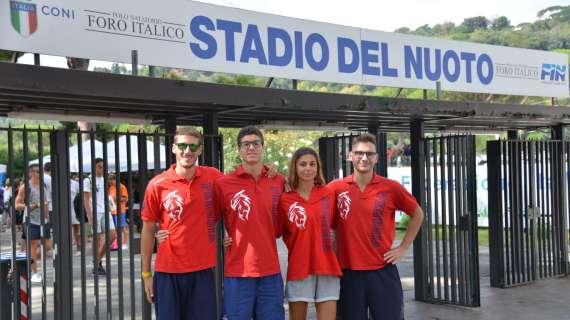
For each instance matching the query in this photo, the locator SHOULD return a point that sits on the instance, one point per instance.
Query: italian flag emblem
(24, 17)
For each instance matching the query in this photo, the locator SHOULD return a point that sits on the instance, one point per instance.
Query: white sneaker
(77, 253)
(124, 247)
(36, 277)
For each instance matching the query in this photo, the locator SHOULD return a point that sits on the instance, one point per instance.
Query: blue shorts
(35, 231)
(185, 296)
(260, 298)
(378, 291)
(123, 220)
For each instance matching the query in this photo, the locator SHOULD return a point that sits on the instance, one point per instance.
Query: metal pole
(418, 190)
(438, 90)
(211, 158)
(134, 62)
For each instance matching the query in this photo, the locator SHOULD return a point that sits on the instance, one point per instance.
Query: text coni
(234, 41)
(132, 24)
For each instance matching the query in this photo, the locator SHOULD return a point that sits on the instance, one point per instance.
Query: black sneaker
(100, 271)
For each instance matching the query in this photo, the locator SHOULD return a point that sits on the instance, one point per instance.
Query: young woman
(305, 219)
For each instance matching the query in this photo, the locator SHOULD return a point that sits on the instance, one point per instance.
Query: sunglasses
(193, 146)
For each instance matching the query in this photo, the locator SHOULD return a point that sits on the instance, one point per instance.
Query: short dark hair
(246, 131)
(97, 160)
(189, 131)
(33, 165)
(364, 138)
(47, 167)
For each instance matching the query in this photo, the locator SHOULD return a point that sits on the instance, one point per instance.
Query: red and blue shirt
(306, 228)
(250, 209)
(365, 221)
(185, 208)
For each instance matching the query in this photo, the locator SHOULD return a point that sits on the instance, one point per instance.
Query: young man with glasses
(181, 200)
(365, 223)
(249, 200)
(99, 181)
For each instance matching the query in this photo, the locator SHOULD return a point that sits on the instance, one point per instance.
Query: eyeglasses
(193, 146)
(361, 154)
(246, 144)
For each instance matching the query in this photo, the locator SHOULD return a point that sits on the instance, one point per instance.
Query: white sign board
(198, 36)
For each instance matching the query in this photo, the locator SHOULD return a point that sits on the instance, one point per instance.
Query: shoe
(114, 245)
(77, 254)
(36, 277)
(100, 271)
(124, 247)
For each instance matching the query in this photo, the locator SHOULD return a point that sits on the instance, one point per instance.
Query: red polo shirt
(250, 211)
(306, 227)
(186, 209)
(366, 220)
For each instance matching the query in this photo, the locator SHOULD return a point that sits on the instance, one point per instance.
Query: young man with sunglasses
(181, 200)
(365, 223)
(249, 200)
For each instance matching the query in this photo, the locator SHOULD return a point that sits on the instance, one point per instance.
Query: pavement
(546, 299)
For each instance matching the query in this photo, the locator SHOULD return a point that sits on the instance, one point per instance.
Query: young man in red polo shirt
(181, 200)
(249, 200)
(365, 223)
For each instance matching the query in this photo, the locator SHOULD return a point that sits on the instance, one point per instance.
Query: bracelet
(146, 275)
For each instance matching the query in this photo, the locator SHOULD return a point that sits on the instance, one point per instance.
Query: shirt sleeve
(218, 201)
(87, 185)
(405, 201)
(151, 204)
(281, 218)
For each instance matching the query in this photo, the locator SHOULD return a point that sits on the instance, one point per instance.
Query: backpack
(78, 208)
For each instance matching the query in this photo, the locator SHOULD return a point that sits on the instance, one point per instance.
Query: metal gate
(451, 253)
(68, 289)
(527, 210)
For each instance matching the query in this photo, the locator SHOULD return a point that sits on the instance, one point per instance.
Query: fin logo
(553, 72)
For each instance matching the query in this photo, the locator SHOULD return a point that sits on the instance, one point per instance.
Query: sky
(376, 14)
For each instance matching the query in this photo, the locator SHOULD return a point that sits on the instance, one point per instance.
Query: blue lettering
(451, 55)
(312, 39)
(204, 37)
(367, 57)
(252, 46)
(468, 58)
(343, 44)
(485, 59)
(413, 62)
(436, 73)
(274, 34)
(230, 28)
(386, 70)
(298, 50)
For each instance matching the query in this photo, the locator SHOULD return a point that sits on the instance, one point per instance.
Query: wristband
(146, 275)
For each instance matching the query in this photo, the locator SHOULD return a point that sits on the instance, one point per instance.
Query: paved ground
(548, 299)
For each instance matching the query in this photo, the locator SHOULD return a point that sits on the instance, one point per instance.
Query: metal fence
(68, 288)
(450, 225)
(528, 212)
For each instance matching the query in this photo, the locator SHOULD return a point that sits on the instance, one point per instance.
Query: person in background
(120, 219)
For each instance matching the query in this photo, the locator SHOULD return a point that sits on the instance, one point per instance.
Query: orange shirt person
(119, 219)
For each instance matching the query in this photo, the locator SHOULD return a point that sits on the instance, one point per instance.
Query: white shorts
(314, 288)
(101, 223)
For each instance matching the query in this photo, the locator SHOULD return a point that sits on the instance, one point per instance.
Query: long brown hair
(293, 177)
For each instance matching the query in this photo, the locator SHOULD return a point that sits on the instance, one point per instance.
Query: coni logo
(24, 17)
(553, 72)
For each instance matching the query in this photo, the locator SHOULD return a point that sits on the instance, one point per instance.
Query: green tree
(471, 24)
(501, 23)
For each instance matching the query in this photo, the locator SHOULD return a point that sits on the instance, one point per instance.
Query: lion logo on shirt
(297, 215)
(241, 203)
(343, 204)
(173, 204)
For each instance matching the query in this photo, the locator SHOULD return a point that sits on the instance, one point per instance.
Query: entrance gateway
(529, 237)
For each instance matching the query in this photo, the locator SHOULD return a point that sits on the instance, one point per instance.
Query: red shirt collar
(241, 171)
(173, 176)
(375, 179)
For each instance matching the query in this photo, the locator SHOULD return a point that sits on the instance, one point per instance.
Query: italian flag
(24, 17)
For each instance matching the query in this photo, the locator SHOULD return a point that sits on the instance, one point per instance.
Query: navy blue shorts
(376, 291)
(35, 231)
(185, 296)
(260, 298)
